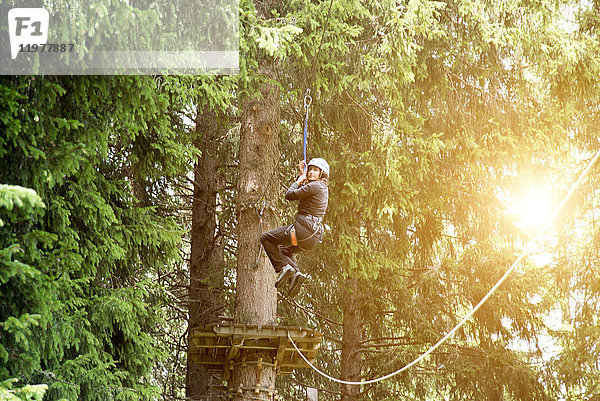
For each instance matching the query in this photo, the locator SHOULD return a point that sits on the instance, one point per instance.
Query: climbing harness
(307, 103)
(476, 307)
(294, 238)
(309, 237)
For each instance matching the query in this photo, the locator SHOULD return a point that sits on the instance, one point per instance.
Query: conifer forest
(462, 139)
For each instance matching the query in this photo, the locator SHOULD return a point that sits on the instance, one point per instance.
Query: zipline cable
(476, 307)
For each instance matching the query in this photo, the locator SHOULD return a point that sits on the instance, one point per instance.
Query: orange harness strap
(293, 236)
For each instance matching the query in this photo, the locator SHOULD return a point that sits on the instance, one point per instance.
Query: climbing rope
(476, 307)
(307, 103)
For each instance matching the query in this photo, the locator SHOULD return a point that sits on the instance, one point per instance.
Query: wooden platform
(218, 345)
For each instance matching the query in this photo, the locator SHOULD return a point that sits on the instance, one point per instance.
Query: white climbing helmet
(321, 164)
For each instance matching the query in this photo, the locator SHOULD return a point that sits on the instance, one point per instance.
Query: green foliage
(23, 199)
(79, 307)
(25, 393)
(17, 329)
(274, 40)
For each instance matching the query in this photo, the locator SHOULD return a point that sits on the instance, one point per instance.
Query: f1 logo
(27, 26)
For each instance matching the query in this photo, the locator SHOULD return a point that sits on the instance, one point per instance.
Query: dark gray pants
(279, 248)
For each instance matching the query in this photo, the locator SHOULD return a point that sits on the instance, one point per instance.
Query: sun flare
(532, 208)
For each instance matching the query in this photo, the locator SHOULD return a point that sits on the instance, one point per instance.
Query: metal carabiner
(307, 99)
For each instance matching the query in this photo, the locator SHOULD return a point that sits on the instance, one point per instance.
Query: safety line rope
(260, 230)
(476, 307)
(307, 103)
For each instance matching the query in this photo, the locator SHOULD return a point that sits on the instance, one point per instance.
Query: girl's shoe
(297, 281)
(285, 274)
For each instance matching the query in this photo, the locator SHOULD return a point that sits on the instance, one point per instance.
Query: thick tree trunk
(206, 265)
(351, 362)
(256, 296)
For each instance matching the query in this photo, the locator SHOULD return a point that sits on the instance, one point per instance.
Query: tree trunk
(206, 265)
(351, 362)
(256, 296)
(357, 128)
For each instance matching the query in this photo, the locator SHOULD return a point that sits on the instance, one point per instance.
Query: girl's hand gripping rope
(302, 167)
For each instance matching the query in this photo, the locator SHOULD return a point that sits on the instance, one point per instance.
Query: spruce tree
(99, 152)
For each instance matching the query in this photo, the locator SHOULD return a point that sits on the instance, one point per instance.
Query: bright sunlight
(532, 208)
